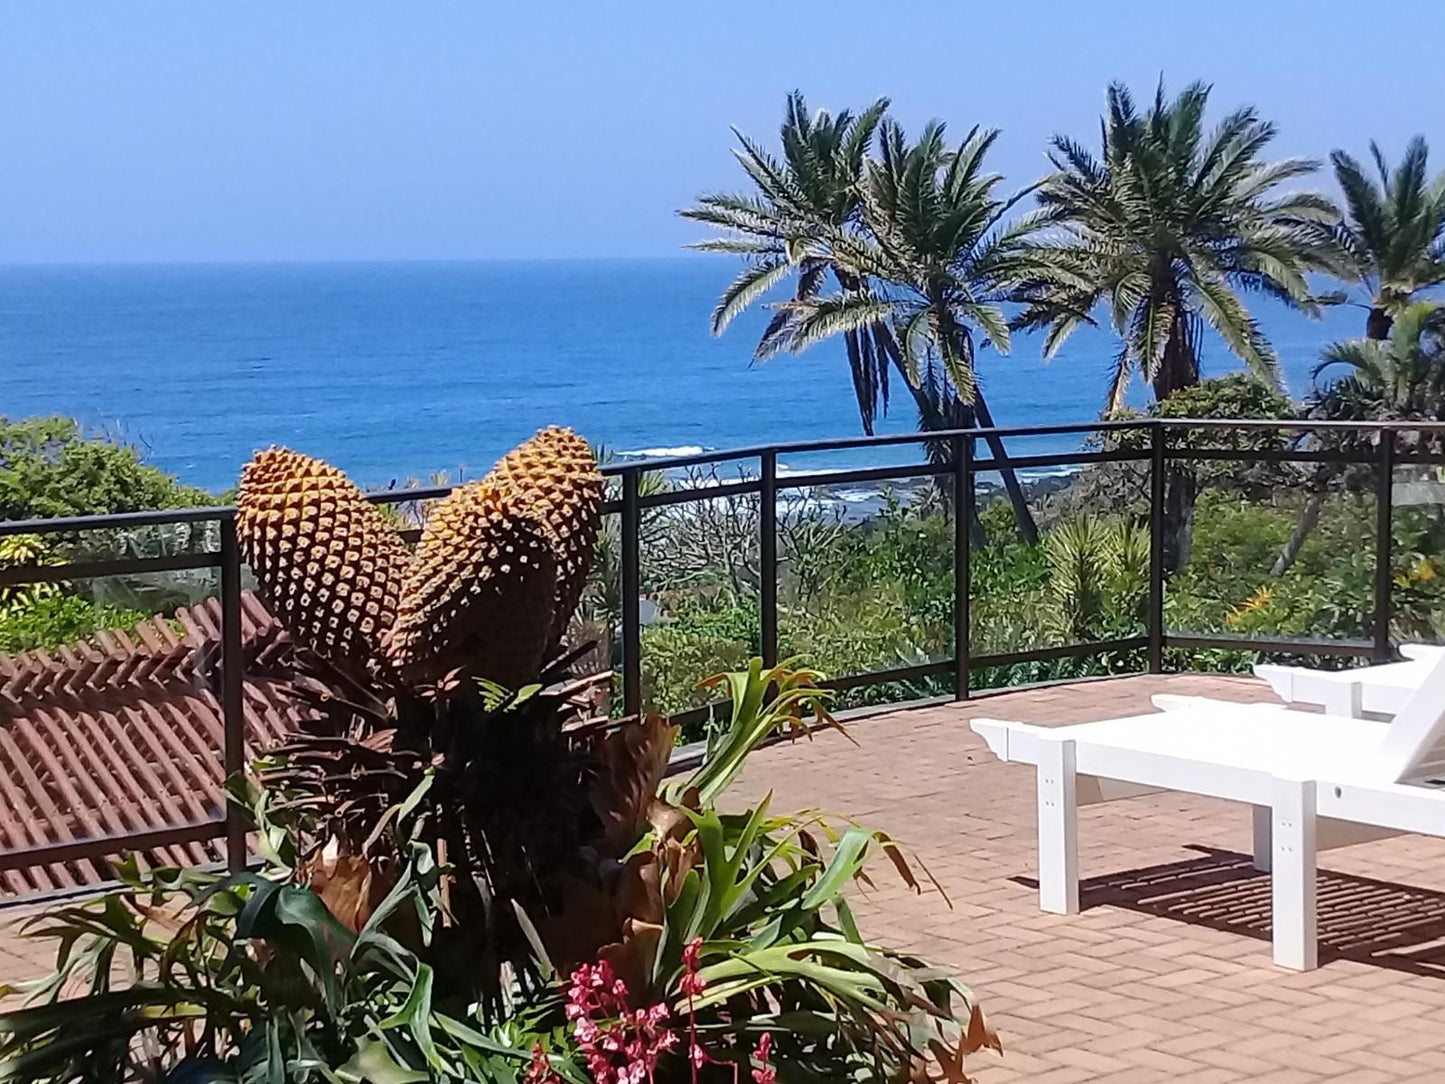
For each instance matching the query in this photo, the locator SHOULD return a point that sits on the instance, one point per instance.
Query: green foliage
(60, 619)
(1098, 580)
(1227, 397)
(695, 640)
(44, 615)
(879, 594)
(813, 192)
(931, 235)
(51, 467)
(1402, 376)
(245, 978)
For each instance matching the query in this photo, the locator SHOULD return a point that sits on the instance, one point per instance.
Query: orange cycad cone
(490, 589)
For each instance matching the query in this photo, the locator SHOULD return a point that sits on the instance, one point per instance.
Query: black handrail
(630, 502)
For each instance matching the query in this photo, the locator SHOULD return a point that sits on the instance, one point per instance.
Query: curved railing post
(631, 589)
(768, 556)
(232, 705)
(1384, 514)
(1157, 435)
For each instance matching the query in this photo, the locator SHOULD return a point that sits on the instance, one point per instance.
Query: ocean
(405, 370)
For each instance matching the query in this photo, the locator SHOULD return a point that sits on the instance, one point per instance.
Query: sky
(358, 130)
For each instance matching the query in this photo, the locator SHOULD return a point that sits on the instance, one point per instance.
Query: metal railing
(963, 465)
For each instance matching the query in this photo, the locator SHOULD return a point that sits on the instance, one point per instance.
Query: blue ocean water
(396, 371)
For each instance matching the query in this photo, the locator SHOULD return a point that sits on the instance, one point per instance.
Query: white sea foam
(661, 453)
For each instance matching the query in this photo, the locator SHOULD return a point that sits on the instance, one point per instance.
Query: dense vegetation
(51, 467)
(878, 594)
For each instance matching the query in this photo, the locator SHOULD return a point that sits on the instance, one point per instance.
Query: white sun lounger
(1315, 782)
(1368, 690)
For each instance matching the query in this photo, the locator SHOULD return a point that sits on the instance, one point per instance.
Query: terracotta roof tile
(122, 734)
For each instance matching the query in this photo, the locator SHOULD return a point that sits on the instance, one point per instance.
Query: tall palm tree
(1395, 232)
(813, 191)
(938, 264)
(805, 204)
(1166, 229)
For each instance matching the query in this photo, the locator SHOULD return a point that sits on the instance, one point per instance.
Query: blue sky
(142, 130)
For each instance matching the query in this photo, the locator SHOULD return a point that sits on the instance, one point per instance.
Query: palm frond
(751, 283)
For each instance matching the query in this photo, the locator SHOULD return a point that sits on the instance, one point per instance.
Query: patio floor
(1166, 975)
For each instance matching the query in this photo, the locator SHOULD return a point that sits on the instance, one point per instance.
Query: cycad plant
(441, 852)
(1394, 234)
(1098, 579)
(1165, 229)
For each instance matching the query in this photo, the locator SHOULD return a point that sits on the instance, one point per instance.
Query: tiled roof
(120, 736)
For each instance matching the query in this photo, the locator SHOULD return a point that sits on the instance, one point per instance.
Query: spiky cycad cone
(479, 593)
(554, 476)
(328, 564)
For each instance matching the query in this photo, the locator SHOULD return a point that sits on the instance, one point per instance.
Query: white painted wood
(996, 734)
(1293, 881)
(1344, 698)
(1422, 651)
(1263, 819)
(1417, 734)
(1058, 828)
(1380, 690)
(1324, 781)
(1404, 807)
(1167, 771)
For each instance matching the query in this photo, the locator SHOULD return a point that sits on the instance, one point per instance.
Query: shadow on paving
(1395, 926)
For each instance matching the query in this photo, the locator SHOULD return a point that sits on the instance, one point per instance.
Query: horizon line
(340, 261)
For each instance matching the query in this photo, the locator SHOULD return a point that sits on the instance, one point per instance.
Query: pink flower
(692, 983)
(764, 1073)
(620, 1045)
(540, 1070)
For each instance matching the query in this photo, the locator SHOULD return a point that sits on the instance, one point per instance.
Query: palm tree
(806, 204)
(812, 192)
(1164, 232)
(1395, 232)
(937, 265)
(1402, 376)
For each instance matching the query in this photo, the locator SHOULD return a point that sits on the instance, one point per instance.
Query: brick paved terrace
(1166, 975)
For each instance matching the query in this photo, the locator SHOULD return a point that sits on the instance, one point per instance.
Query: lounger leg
(1344, 698)
(1058, 829)
(1263, 844)
(1296, 936)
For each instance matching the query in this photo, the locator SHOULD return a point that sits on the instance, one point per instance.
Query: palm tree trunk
(1023, 515)
(1179, 368)
(932, 416)
(1378, 323)
(1309, 516)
